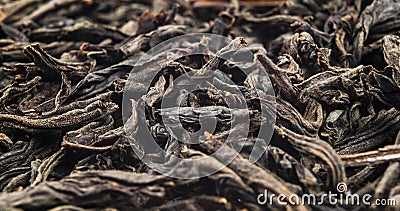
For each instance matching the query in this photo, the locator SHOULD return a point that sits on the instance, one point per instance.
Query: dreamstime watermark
(341, 197)
(140, 89)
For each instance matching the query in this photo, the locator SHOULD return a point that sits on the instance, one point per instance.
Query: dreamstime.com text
(341, 198)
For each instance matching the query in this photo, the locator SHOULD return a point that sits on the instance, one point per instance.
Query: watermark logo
(340, 197)
(146, 84)
(341, 187)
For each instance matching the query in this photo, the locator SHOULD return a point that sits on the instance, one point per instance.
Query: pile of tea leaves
(333, 66)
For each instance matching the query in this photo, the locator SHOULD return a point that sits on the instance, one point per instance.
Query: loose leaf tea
(323, 76)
